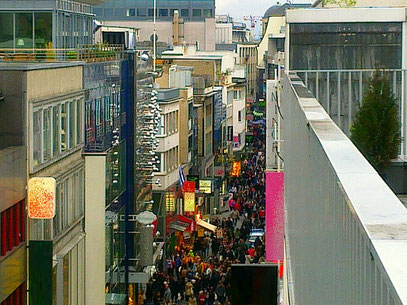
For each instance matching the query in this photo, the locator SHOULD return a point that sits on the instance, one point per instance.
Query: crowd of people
(201, 274)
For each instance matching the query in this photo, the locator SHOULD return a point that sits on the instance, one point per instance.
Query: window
(79, 122)
(46, 134)
(55, 130)
(24, 30)
(185, 12)
(163, 12)
(37, 145)
(131, 12)
(196, 13)
(239, 116)
(150, 12)
(12, 227)
(230, 97)
(207, 13)
(43, 29)
(64, 127)
(71, 121)
(142, 12)
(161, 126)
(6, 30)
(237, 94)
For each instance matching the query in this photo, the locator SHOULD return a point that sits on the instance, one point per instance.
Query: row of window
(69, 208)
(168, 123)
(56, 129)
(168, 160)
(238, 94)
(12, 224)
(165, 12)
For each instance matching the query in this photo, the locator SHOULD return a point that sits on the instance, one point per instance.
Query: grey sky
(239, 8)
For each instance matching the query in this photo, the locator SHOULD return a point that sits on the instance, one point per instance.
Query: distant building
(178, 22)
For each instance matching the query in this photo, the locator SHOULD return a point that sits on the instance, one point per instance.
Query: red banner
(189, 186)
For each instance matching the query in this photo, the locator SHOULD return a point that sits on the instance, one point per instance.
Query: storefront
(180, 230)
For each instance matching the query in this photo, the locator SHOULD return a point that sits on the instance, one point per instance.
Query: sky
(248, 7)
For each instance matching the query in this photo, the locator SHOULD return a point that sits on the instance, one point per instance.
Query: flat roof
(341, 15)
(30, 66)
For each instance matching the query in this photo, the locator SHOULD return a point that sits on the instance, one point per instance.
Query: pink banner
(274, 216)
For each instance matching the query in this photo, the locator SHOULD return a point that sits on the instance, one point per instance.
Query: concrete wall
(95, 190)
(46, 83)
(224, 33)
(273, 27)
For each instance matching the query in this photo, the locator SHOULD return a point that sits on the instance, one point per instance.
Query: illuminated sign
(189, 202)
(41, 198)
(189, 186)
(170, 202)
(236, 169)
(205, 186)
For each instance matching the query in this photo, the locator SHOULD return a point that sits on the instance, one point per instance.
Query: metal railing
(87, 53)
(345, 229)
(340, 92)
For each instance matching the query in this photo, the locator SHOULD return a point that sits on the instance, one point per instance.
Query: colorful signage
(205, 186)
(189, 202)
(41, 198)
(189, 186)
(274, 216)
(170, 202)
(236, 167)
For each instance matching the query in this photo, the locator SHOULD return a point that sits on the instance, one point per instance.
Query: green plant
(376, 130)
(72, 55)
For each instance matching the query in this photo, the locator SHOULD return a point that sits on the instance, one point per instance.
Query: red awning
(180, 223)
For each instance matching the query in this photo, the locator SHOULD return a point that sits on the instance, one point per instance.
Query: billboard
(274, 216)
(219, 115)
(41, 198)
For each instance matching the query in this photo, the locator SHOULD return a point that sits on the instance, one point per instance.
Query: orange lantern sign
(41, 198)
(189, 202)
(236, 169)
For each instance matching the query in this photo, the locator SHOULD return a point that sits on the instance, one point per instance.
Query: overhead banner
(41, 198)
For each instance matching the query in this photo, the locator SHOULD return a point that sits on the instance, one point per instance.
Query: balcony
(167, 95)
(202, 84)
(345, 230)
(86, 53)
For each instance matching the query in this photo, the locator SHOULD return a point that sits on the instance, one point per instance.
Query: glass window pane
(46, 134)
(24, 30)
(37, 138)
(207, 13)
(78, 122)
(55, 130)
(184, 12)
(196, 12)
(63, 127)
(6, 30)
(163, 12)
(43, 29)
(142, 12)
(71, 121)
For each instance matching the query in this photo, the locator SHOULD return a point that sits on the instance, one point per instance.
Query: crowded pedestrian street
(201, 273)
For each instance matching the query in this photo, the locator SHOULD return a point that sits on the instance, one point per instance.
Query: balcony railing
(340, 92)
(201, 82)
(87, 53)
(345, 229)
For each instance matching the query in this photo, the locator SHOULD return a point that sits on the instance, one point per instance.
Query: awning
(180, 223)
(206, 225)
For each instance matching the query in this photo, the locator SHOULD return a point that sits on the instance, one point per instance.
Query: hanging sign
(189, 202)
(41, 198)
(205, 186)
(236, 169)
(170, 202)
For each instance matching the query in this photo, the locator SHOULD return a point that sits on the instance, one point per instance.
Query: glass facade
(143, 9)
(324, 46)
(36, 30)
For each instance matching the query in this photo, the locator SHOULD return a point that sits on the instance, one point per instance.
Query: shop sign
(170, 202)
(146, 217)
(194, 178)
(189, 202)
(205, 186)
(201, 232)
(189, 187)
(236, 169)
(41, 198)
